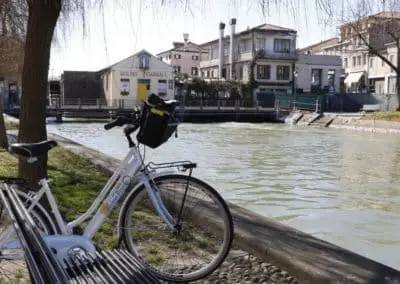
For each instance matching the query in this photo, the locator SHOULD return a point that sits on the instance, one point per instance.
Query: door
(143, 87)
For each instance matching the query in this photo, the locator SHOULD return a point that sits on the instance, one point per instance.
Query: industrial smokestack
(232, 48)
(221, 49)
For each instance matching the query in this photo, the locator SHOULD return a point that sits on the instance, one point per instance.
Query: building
(318, 72)
(323, 47)
(184, 57)
(366, 72)
(270, 49)
(131, 80)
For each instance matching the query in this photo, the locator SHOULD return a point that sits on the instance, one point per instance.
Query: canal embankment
(349, 121)
(306, 258)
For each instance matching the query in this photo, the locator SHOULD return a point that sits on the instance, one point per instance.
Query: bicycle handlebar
(119, 121)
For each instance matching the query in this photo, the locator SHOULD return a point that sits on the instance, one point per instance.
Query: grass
(387, 115)
(10, 122)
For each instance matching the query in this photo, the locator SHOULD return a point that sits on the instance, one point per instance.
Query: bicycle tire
(224, 214)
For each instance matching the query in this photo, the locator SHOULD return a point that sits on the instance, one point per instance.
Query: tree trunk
(398, 75)
(42, 20)
(3, 133)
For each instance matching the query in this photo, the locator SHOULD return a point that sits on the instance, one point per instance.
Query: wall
(306, 63)
(81, 84)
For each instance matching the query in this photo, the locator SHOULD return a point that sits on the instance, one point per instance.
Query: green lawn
(387, 115)
(75, 183)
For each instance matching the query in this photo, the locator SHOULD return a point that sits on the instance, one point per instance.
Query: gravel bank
(241, 267)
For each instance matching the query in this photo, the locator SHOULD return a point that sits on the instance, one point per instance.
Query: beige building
(131, 80)
(272, 47)
(184, 57)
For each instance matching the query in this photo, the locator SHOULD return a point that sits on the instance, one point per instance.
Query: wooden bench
(117, 266)
(371, 107)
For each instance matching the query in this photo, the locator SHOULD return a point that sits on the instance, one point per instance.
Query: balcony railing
(270, 54)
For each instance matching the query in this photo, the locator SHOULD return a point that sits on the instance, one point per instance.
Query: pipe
(232, 48)
(221, 49)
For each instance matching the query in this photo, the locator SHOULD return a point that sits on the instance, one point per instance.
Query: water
(340, 186)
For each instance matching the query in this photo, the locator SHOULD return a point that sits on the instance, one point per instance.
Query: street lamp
(295, 73)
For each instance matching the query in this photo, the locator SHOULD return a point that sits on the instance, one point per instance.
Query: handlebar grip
(119, 121)
(110, 125)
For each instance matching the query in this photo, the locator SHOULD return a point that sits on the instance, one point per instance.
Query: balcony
(209, 63)
(270, 54)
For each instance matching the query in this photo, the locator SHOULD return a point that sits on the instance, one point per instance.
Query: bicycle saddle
(31, 150)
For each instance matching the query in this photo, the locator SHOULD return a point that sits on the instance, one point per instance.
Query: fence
(355, 102)
(307, 102)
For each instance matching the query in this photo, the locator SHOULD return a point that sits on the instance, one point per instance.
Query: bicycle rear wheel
(198, 248)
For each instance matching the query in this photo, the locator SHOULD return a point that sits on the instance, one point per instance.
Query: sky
(122, 28)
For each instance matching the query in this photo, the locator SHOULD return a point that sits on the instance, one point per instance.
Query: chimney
(221, 49)
(232, 49)
(185, 39)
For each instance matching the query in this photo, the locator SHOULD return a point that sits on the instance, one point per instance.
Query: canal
(340, 186)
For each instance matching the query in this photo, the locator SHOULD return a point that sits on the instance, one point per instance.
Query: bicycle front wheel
(205, 230)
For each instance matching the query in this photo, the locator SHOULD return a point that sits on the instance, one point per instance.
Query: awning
(353, 77)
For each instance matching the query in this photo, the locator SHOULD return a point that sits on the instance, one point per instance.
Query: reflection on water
(337, 185)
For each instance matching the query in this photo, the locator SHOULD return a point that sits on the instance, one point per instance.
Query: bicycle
(133, 181)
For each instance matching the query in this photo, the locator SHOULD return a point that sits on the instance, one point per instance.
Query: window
(125, 86)
(177, 69)
(283, 72)
(316, 76)
(260, 44)
(195, 57)
(245, 46)
(282, 45)
(354, 61)
(162, 88)
(359, 60)
(364, 59)
(177, 56)
(346, 62)
(208, 74)
(144, 61)
(264, 72)
(194, 71)
(371, 63)
(202, 74)
(171, 84)
(383, 63)
(331, 79)
(241, 73)
(212, 74)
(106, 81)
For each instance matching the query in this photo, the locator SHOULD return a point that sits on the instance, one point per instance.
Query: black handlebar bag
(157, 122)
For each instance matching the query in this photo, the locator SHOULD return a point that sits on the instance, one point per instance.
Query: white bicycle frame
(130, 169)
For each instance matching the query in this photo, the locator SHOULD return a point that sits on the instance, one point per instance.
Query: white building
(129, 82)
(272, 47)
(318, 72)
